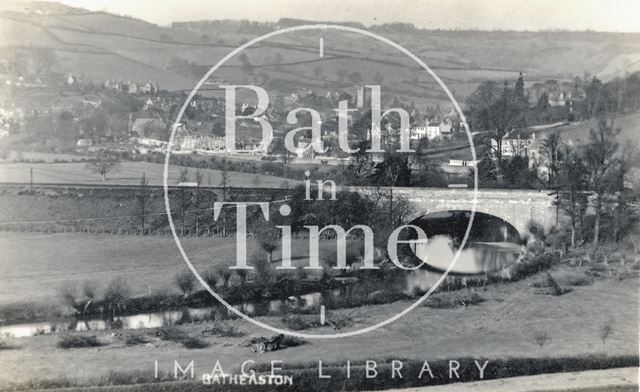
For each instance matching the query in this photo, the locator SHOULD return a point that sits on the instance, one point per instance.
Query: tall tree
(604, 168)
(572, 184)
(551, 152)
(495, 112)
(143, 199)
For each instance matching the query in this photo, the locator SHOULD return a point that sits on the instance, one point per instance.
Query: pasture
(503, 326)
(129, 173)
(579, 132)
(33, 267)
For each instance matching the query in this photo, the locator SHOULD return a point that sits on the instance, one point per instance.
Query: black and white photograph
(339, 195)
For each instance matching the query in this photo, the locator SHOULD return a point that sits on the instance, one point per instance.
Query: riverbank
(508, 323)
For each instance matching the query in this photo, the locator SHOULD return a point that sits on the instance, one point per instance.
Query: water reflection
(492, 244)
(158, 319)
(478, 257)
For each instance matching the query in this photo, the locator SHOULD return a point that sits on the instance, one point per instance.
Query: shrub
(606, 330)
(89, 290)
(533, 264)
(171, 333)
(78, 341)
(242, 276)
(185, 282)
(292, 341)
(264, 271)
(193, 343)
(211, 277)
(174, 334)
(297, 322)
(541, 337)
(339, 321)
(453, 301)
(224, 273)
(222, 329)
(116, 294)
(68, 294)
(134, 340)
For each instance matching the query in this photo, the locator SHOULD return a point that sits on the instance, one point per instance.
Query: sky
(599, 15)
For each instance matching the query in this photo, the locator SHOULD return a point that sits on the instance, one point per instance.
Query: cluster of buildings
(127, 87)
(557, 94)
(434, 128)
(525, 144)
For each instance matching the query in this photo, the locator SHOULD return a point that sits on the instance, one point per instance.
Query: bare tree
(550, 149)
(143, 199)
(198, 177)
(224, 184)
(604, 168)
(103, 163)
(572, 177)
(183, 178)
(224, 179)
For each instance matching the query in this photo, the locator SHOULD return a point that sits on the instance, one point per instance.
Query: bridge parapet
(518, 207)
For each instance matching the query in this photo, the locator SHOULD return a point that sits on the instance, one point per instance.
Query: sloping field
(629, 130)
(110, 46)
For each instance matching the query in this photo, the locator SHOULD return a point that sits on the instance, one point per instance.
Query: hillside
(100, 45)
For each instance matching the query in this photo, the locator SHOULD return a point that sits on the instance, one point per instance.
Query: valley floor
(502, 327)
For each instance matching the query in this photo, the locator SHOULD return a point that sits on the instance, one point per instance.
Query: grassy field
(504, 326)
(129, 173)
(629, 130)
(33, 267)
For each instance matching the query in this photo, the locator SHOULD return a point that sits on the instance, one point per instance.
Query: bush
(171, 333)
(533, 264)
(338, 321)
(224, 273)
(193, 343)
(78, 341)
(606, 330)
(264, 271)
(134, 340)
(117, 294)
(174, 334)
(222, 329)
(211, 277)
(185, 282)
(541, 337)
(292, 341)
(297, 322)
(453, 301)
(89, 290)
(68, 294)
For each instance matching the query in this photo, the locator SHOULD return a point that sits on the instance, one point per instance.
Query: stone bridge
(518, 207)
